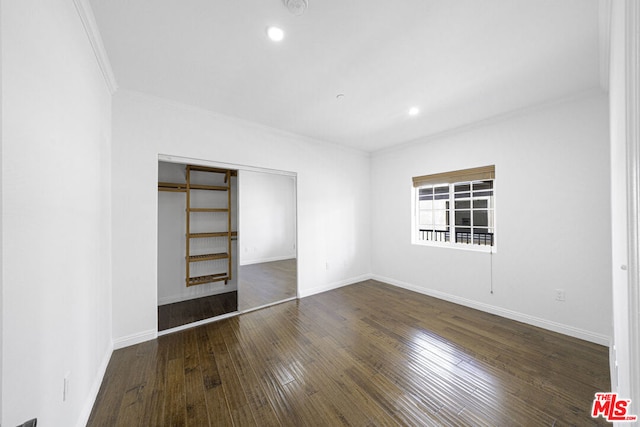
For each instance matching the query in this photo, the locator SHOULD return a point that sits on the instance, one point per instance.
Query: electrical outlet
(560, 295)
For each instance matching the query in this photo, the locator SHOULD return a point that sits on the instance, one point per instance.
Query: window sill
(458, 246)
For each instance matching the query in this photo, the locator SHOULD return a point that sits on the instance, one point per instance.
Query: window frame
(450, 215)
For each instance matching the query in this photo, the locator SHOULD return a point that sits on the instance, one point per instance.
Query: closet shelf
(199, 280)
(208, 257)
(216, 170)
(221, 232)
(208, 187)
(212, 234)
(172, 186)
(208, 210)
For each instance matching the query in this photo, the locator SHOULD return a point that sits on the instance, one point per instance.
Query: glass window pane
(483, 194)
(441, 204)
(425, 218)
(482, 203)
(462, 195)
(480, 219)
(424, 191)
(441, 190)
(441, 218)
(463, 218)
(462, 187)
(482, 185)
(463, 204)
(425, 194)
(425, 204)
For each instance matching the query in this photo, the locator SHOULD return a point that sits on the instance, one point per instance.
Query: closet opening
(226, 240)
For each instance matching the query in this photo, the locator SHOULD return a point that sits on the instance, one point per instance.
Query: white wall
(56, 214)
(333, 198)
(552, 210)
(171, 233)
(267, 217)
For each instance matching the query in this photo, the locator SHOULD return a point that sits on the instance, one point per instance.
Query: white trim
(95, 388)
(209, 163)
(632, 134)
(272, 259)
(503, 312)
(85, 12)
(134, 339)
(333, 285)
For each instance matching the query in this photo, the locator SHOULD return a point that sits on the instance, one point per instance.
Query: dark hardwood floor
(365, 354)
(193, 310)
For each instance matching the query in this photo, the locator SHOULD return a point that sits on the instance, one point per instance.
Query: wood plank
(208, 187)
(196, 407)
(175, 402)
(198, 168)
(212, 234)
(257, 399)
(172, 186)
(215, 397)
(208, 210)
(208, 257)
(236, 399)
(153, 412)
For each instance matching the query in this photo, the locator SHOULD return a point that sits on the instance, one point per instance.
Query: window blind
(473, 174)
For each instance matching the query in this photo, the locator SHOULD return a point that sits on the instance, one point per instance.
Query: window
(456, 209)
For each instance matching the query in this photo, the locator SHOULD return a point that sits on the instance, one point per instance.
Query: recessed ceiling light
(276, 34)
(413, 111)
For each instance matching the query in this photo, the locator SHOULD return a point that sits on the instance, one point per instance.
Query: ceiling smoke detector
(296, 7)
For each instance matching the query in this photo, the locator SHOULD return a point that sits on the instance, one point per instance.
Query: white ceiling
(459, 61)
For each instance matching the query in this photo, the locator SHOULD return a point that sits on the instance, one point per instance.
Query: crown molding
(85, 12)
(604, 39)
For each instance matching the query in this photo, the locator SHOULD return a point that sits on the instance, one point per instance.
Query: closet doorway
(226, 240)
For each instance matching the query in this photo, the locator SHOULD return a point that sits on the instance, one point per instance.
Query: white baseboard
(503, 312)
(133, 339)
(95, 387)
(262, 260)
(319, 289)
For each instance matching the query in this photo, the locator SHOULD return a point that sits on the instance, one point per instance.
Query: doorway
(226, 240)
